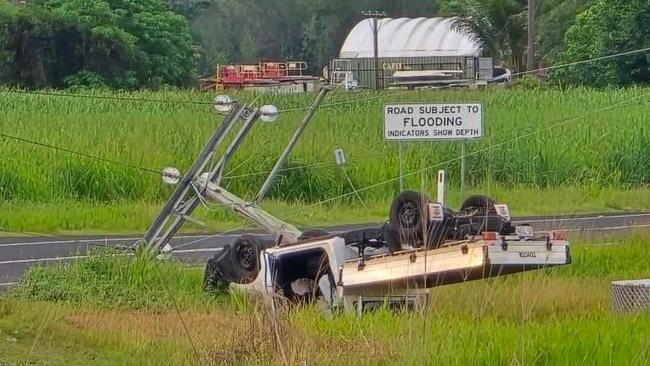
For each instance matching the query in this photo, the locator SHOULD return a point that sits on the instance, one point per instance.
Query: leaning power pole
(376, 15)
(530, 59)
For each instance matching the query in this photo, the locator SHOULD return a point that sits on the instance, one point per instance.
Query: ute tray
(455, 262)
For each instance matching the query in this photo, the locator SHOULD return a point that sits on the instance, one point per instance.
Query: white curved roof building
(406, 37)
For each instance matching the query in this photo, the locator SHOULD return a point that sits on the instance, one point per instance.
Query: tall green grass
(610, 148)
(114, 279)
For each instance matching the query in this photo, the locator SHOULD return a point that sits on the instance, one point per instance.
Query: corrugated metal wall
(363, 69)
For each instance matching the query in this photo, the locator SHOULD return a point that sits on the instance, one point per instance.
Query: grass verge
(124, 217)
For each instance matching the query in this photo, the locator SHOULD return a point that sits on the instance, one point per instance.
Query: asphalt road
(19, 253)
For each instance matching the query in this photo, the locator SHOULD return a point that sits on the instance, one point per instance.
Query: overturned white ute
(423, 245)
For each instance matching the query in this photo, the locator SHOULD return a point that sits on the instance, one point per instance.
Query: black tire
(479, 202)
(485, 216)
(313, 233)
(408, 212)
(245, 258)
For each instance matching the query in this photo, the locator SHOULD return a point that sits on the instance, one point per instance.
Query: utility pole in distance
(375, 15)
(530, 59)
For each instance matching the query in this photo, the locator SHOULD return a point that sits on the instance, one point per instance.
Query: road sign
(433, 121)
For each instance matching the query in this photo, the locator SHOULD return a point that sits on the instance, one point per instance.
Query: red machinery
(261, 74)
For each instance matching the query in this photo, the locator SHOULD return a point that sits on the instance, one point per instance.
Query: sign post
(434, 121)
(401, 167)
(462, 168)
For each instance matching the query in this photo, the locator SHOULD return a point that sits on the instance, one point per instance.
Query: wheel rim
(246, 256)
(408, 214)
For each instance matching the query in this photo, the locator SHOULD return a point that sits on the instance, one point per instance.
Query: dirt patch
(229, 338)
(155, 326)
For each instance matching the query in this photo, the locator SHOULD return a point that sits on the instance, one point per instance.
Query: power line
(128, 99)
(134, 99)
(315, 165)
(641, 50)
(157, 172)
(174, 301)
(378, 95)
(78, 153)
(106, 97)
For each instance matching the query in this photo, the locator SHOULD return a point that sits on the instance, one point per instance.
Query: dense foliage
(499, 26)
(131, 44)
(117, 43)
(555, 17)
(608, 27)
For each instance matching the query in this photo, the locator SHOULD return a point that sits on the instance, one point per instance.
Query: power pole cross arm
(152, 237)
(252, 212)
(198, 184)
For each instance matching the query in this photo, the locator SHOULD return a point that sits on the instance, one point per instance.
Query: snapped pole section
(250, 116)
(251, 212)
(186, 182)
(292, 143)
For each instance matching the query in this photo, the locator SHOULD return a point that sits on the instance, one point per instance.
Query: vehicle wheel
(479, 202)
(407, 213)
(245, 258)
(313, 233)
(484, 216)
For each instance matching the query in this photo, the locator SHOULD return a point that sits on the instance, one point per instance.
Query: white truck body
(403, 275)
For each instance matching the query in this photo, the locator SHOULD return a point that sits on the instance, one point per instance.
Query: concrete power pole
(375, 15)
(530, 59)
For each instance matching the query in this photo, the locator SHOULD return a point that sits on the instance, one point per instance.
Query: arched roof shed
(406, 37)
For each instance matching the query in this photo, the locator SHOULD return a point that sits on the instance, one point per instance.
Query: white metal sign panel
(436, 212)
(436, 121)
(503, 211)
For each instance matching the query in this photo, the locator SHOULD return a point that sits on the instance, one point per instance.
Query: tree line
(129, 44)
(124, 44)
